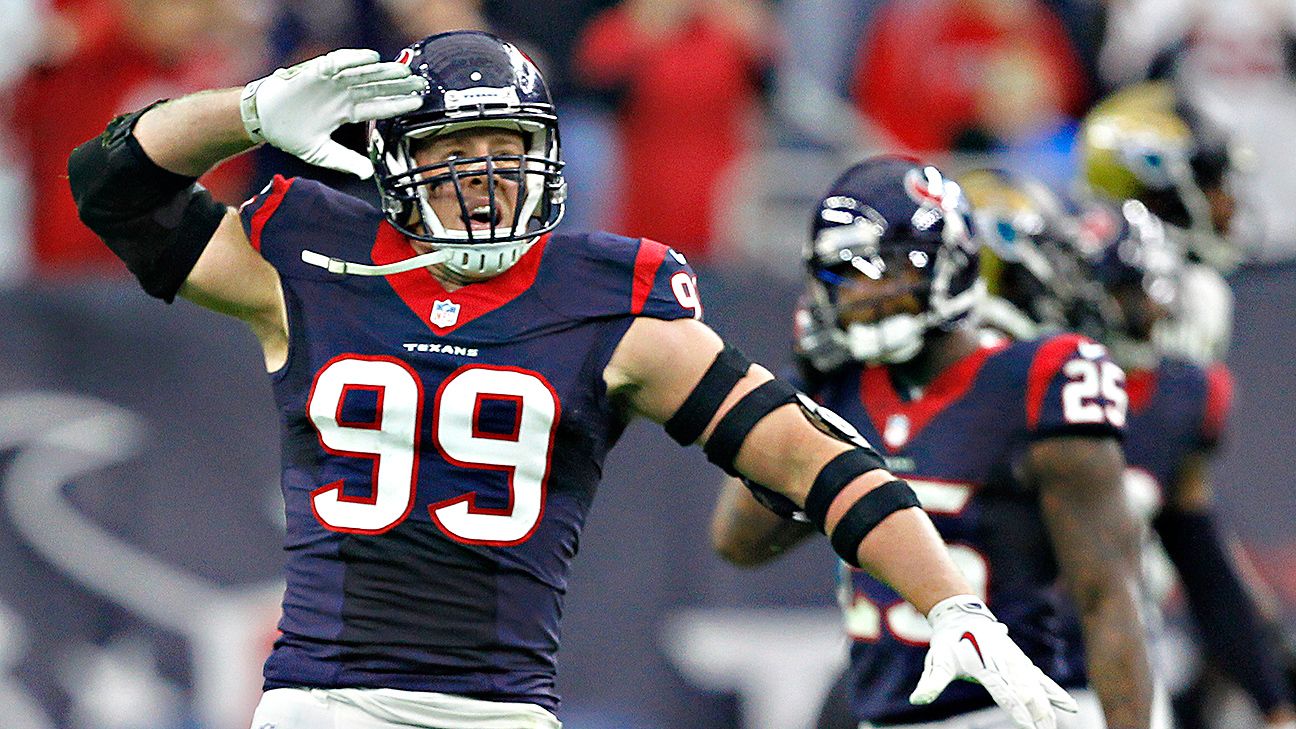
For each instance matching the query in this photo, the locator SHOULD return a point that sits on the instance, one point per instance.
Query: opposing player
(1144, 143)
(1177, 413)
(1035, 281)
(1013, 449)
(450, 374)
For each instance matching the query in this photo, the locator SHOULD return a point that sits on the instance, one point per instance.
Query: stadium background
(139, 507)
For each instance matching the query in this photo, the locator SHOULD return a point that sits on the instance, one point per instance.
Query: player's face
(1139, 310)
(875, 290)
(484, 207)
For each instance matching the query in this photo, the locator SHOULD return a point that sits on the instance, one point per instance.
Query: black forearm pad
(867, 513)
(157, 222)
(835, 476)
(1225, 613)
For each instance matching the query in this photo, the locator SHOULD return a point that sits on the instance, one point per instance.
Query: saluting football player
(1013, 449)
(450, 373)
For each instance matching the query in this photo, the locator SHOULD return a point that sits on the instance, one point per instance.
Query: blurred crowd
(683, 120)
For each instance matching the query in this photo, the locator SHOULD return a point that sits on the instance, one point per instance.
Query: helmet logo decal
(406, 55)
(444, 313)
(926, 187)
(455, 99)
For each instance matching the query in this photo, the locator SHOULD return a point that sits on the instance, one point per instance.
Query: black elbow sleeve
(157, 222)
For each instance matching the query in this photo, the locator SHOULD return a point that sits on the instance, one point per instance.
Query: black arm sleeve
(156, 221)
(1225, 614)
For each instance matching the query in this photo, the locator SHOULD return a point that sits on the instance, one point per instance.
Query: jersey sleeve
(294, 214)
(1073, 388)
(1218, 404)
(665, 286)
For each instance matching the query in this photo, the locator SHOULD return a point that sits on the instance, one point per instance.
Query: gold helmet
(1144, 143)
(1029, 266)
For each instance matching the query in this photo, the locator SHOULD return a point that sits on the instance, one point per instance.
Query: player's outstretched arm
(667, 371)
(1096, 542)
(746, 533)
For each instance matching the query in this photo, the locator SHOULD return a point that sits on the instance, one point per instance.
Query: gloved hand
(969, 643)
(297, 108)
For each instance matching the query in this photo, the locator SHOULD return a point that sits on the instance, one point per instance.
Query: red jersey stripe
(278, 189)
(647, 261)
(1048, 360)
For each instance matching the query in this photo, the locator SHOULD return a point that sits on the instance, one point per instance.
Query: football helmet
(890, 258)
(1145, 143)
(1034, 277)
(1140, 270)
(474, 80)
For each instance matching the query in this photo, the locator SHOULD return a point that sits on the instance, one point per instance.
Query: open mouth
(482, 217)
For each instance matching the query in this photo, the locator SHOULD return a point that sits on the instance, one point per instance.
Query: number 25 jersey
(441, 449)
(961, 443)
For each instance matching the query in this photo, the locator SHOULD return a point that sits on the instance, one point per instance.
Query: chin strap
(337, 265)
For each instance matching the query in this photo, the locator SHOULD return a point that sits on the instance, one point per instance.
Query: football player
(1144, 143)
(1012, 448)
(1036, 283)
(1177, 413)
(450, 373)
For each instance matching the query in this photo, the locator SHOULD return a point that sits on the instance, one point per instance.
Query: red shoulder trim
(1140, 385)
(1048, 360)
(881, 400)
(1219, 400)
(279, 187)
(647, 261)
(420, 290)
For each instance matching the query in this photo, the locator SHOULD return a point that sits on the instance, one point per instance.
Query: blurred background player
(450, 377)
(1177, 415)
(1012, 447)
(1144, 143)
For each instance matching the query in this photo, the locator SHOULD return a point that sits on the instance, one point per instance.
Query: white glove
(969, 643)
(297, 108)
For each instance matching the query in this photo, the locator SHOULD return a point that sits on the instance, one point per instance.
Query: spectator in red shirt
(688, 77)
(107, 57)
(926, 69)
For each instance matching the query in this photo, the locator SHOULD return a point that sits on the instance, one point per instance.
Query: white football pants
(355, 708)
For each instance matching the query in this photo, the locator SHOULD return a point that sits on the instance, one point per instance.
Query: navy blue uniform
(1177, 409)
(960, 444)
(441, 449)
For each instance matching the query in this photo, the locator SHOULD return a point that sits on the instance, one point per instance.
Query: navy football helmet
(474, 80)
(1140, 270)
(890, 257)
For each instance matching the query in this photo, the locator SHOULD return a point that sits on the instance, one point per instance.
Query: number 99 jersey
(441, 449)
(960, 443)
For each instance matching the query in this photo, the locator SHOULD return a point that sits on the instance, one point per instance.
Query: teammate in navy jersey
(1012, 447)
(1177, 413)
(450, 373)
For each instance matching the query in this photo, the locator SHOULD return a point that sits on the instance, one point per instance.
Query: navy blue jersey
(960, 443)
(441, 449)
(1176, 409)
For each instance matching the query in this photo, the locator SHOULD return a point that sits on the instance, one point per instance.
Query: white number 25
(1095, 393)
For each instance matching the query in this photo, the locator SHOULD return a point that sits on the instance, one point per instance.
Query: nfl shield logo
(444, 313)
(897, 430)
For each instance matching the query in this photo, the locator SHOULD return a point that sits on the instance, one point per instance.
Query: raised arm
(1095, 539)
(871, 517)
(135, 184)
